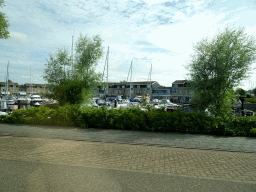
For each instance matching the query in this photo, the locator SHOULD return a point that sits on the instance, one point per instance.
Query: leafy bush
(251, 100)
(153, 120)
(252, 132)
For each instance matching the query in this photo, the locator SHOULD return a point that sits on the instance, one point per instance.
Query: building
(180, 92)
(162, 92)
(13, 88)
(34, 88)
(139, 88)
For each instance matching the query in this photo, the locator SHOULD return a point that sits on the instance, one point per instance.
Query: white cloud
(153, 2)
(179, 16)
(180, 37)
(19, 38)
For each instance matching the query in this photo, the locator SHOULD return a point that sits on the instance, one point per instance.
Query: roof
(133, 82)
(9, 83)
(34, 84)
(179, 81)
(163, 87)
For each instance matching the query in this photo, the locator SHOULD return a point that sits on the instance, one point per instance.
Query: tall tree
(217, 66)
(88, 53)
(4, 33)
(254, 91)
(74, 84)
(240, 91)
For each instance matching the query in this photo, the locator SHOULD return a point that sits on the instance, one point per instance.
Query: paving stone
(210, 164)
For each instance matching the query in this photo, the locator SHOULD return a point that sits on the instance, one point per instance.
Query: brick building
(180, 92)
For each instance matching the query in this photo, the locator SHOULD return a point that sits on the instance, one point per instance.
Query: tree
(88, 53)
(218, 66)
(254, 91)
(4, 34)
(240, 91)
(74, 83)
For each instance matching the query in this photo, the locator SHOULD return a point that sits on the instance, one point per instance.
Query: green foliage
(4, 24)
(74, 82)
(88, 53)
(155, 120)
(61, 116)
(240, 91)
(217, 66)
(250, 100)
(225, 109)
(254, 91)
(253, 132)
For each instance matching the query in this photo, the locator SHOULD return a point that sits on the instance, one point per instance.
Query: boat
(23, 101)
(35, 99)
(6, 104)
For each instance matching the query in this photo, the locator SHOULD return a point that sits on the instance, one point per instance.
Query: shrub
(134, 119)
(252, 132)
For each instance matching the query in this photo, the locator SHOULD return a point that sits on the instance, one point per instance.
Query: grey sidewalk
(190, 141)
(35, 158)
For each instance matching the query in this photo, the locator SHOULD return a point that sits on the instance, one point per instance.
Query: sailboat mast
(30, 82)
(131, 83)
(7, 78)
(72, 65)
(107, 70)
(150, 91)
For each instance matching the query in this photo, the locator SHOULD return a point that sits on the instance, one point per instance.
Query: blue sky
(161, 32)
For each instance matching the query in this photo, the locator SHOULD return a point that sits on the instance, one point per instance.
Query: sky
(157, 32)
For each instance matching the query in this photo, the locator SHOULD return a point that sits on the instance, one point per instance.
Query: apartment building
(34, 88)
(13, 88)
(139, 88)
(180, 92)
(162, 92)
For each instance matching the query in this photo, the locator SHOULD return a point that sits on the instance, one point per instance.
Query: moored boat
(35, 99)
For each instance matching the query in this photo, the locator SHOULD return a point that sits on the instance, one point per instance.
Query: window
(175, 88)
(180, 92)
(187, 99)
(186, 93)
(170, 92)
(118, 86)
(134, 86)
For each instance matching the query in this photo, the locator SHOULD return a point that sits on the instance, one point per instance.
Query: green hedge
(251, 100)
(134, 119)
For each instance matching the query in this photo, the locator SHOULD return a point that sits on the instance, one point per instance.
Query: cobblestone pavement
(190, 141)
(236, 166)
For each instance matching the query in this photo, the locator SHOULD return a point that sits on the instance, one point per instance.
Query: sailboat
(7, 103)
